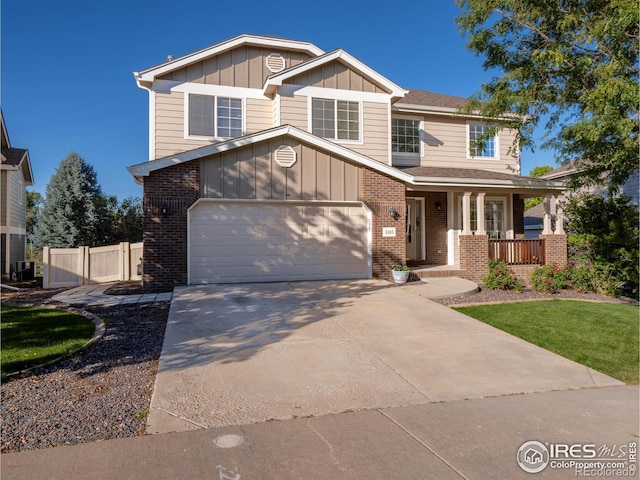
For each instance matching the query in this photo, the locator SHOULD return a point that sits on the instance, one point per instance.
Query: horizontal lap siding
(294, 111)
(170, 122)
(376, 132)
(445, 145)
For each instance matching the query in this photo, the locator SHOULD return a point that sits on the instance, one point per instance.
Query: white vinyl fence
(70, 267)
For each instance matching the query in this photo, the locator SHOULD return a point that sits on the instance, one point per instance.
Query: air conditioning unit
(25, 270)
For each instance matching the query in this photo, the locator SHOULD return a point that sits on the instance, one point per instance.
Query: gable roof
(145, 77)
(276, 80)
(144, 169)
(14, 158)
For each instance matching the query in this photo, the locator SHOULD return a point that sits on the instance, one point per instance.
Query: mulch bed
(105, 391)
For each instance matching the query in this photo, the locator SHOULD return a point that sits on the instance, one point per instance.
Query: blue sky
(66, 65)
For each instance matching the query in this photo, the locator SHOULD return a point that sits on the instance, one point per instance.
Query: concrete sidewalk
(94, 295)
(473, 439)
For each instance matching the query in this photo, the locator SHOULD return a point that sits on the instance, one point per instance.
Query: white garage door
(257, 242)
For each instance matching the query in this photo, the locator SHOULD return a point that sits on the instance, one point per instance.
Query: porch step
(437, 272)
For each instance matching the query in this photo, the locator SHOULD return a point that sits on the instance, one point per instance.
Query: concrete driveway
(247, 353)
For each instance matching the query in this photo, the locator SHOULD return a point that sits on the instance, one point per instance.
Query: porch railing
(518, 251)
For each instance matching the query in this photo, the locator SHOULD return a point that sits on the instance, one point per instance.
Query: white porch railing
(70, 267)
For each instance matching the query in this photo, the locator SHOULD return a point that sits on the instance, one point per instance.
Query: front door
(414, 229)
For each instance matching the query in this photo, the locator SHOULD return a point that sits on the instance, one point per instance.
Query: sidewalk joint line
(440, 457)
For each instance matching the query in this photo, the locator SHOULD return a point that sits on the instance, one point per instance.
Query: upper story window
(211, 116)
(335, 119)
(405, 135)
(488, 147)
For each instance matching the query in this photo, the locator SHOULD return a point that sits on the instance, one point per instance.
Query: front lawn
(31, 336)
(602, 336)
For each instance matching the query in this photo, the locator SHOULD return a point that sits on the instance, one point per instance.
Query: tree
(603, 233)
(537, 172)
(70, 213)
(573, 63)
(34, 202)
(129, 220)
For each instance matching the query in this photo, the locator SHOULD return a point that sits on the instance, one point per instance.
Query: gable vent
(276, 62)
(285, 156)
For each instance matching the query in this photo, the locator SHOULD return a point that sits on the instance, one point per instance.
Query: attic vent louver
(276, 62)
(285, 156)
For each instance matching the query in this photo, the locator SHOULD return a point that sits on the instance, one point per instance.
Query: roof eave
(481, 183)
(448, 111)
(275, 81)
(144, 169)
(147, 76)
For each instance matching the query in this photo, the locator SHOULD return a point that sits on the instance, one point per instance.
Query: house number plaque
(388, 231)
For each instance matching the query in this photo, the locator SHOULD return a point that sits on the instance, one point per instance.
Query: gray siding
(4, 196)
(252, 173)
(18, 214)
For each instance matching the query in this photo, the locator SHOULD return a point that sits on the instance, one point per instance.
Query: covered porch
(455, 224)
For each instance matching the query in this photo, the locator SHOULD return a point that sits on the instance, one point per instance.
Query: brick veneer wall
(474, 256)
(165, 236)
(380, 192)
(518, 216)
(555, 247)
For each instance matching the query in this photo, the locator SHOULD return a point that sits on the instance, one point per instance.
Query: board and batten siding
(244, 66)
(445, 145)
(169, 122)
(252, 173)
(334, 75)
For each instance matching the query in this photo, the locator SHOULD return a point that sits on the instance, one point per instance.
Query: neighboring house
(534, 217)
(271, 160)
(15, 176)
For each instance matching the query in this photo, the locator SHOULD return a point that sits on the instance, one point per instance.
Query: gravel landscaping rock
(100, 393)
(105, 391)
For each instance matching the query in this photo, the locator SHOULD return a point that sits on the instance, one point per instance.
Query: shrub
(551, 278)
(501, 277)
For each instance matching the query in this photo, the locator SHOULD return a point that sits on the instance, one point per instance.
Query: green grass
(602, 336)
(31, 336)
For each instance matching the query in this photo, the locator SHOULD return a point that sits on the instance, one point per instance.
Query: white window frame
(215, 137)
(420, 152)
(508, 233)
(335, 100)
(496, 143)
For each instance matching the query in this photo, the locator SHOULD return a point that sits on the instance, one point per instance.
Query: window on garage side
(211, 116)
(335, 119)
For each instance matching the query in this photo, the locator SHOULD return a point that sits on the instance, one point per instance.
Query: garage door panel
(232, 243)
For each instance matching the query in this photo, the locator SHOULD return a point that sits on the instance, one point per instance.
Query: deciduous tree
(570, 63)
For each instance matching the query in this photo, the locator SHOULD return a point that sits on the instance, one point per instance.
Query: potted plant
(400, 274)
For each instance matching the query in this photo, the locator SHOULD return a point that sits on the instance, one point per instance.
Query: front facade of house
(271, 160)
(15, 176)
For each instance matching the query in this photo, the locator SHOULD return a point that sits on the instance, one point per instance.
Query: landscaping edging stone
(98, 333)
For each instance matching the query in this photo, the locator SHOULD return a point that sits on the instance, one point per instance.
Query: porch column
(546, 221)
(480, 214)
(466, 214)
(559, 217)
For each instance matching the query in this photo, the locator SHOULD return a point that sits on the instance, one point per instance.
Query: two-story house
(15, 176)
(272, 160)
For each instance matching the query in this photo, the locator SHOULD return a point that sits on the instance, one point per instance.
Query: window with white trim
(488, 147)
(494, 217)
(335, 119)
(211, 116)
(405, 135)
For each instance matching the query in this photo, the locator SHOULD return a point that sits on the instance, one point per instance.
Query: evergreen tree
(70, 215)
